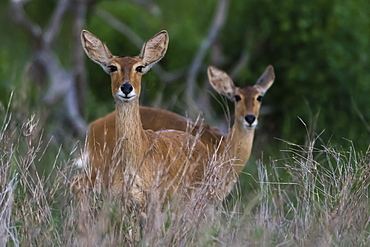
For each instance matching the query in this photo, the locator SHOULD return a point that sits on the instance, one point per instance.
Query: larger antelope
(142, 156)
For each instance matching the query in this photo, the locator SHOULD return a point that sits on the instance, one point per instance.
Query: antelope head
(126, 71)
(248, 99)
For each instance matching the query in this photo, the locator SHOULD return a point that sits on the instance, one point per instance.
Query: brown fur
(237, 147)
(101, 137)
(142, 159)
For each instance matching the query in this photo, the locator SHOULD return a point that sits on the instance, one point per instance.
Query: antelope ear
(221, 82)
(96, 50)
(266, 79)
(154, 49)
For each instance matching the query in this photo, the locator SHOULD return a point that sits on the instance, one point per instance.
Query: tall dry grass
(310, 195)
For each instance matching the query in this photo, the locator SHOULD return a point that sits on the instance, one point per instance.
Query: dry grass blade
(324, 201)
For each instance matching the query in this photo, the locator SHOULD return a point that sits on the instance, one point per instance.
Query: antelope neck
(130, 136)
(241, 141)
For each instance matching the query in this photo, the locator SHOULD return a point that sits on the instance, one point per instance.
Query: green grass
(308, 195)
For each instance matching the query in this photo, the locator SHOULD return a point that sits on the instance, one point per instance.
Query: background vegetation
(319, 51)
(319, 101)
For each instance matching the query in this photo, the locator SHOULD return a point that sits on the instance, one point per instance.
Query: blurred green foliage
(320, 51)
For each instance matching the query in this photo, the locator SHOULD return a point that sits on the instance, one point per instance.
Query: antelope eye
(139, 69)
(237, 98)
(112, 68)
(259, 98)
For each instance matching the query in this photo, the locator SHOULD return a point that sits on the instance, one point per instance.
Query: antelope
(101, 136)
(237, 145)
(140, 155)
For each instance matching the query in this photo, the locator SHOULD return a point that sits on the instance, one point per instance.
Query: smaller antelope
(237, 145)
(142, 156)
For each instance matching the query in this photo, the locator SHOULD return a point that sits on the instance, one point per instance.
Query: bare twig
(218, 22)
(149, 5)
(120, 26)
(240, 64)
(34, 30)
(55, 22)
(62, 83)
(78, 59)
(243, 59)
(138, 42)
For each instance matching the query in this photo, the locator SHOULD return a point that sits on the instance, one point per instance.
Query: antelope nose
(250, 119)
(126, 88)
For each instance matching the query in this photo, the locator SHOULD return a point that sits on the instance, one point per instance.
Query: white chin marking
(252, 126)
(125, 98)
